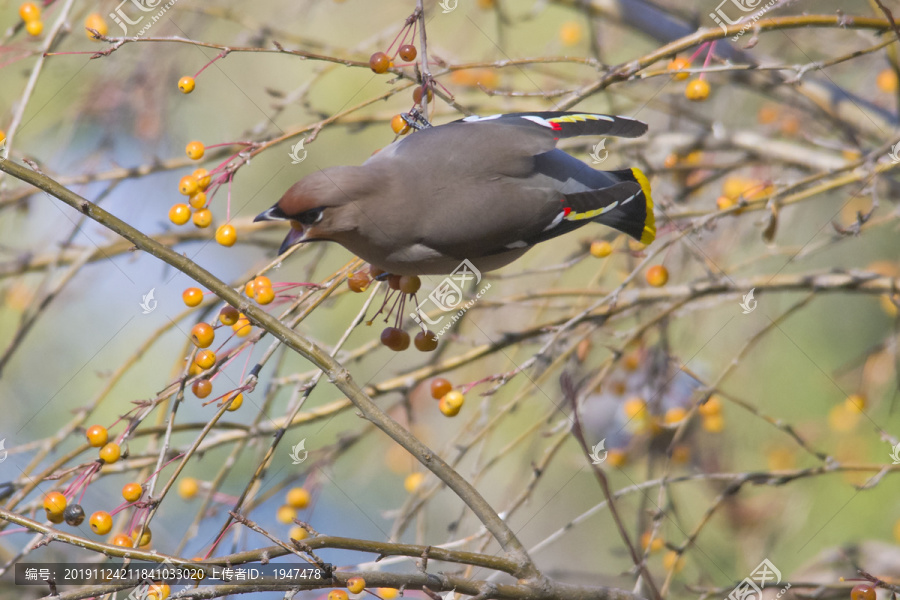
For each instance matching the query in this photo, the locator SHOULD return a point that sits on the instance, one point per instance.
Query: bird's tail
(634, 218)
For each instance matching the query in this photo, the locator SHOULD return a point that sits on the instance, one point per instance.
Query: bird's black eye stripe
(310, 217)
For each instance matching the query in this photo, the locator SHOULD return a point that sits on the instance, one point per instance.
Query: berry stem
(221, 54)
(698, 52)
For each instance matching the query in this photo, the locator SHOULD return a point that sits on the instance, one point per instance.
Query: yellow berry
(188, 185)
(110, 453)
(570, 33)
(616, 457)
(188, 487)
(101, 522)
(229, 315)
(203, 178)
(657, 275)
(202, 335)
(236, 402)
(186, 85)
(887, 81)
(654, 545)
(132, 492)
(195, 150)
(55, 504)
(337, 595)
(297, 498)
(856, 402)
(29, 11)
(298, 533)
(96, 22)
(180, 214)
(677, 64)
(192, 296)
(711, 407)
(122, 540)
(413, 481)
(34, 28)
(635, 408)
(226, 235)
(674, 415)
(672, 561)
(697, 90)
(713, 423)
(451, 403)
(356, 584)
(601, 249)
(158, 591)
(97, 436)
(242, 326)
(202, 218)
(286, 514)
(388, 593)
(265, 295)
(146, 538)
(205, 359)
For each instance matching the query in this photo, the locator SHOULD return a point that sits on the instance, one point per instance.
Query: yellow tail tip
(649, 233)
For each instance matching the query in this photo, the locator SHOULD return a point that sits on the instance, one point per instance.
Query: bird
(482, 189)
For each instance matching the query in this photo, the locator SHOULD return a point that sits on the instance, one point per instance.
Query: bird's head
(317, 207)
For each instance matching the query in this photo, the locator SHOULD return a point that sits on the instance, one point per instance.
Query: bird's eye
(310, 217)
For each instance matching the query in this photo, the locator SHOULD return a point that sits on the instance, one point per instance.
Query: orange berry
(158, 591)
(767, 114)
(887, 81)
(711, 407)
(297, 498)
(186, 84)
(440, 387)
(451, 403)
(654, 545)
(97, 436)
(677, 64)
(229, 315)
(122, 540)
(672, 561)
(388, 593)
(713, 423)
(110, 453)
(203, 178)
(202, 388)
(862, 591)
(188, 185)
(250, 288)
(236, 401)
(616, 457)
(242, 326)
(399, 125)
(192, 296)
(132, 492)
(202, 335)
(55, 504)
(34, 28)
(286, 514)
(202, 218)
(355, 584)
(101, 522)
(724, 202)
(195, 150)
(359, 281)
(188, 487)
(337, 595)
(570, 33)
(205, 359)
(635, 408)
(657, 275)
(674, 415)
(697, 90)
(601, 249)
(421, 91)
(408, 52)
(226, 235)
(262, 281)
(29, 11)
(379, 62)
(96, 22)
(180, 214)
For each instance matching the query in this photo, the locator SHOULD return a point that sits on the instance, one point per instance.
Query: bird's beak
(272, 214)
(296, 235)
